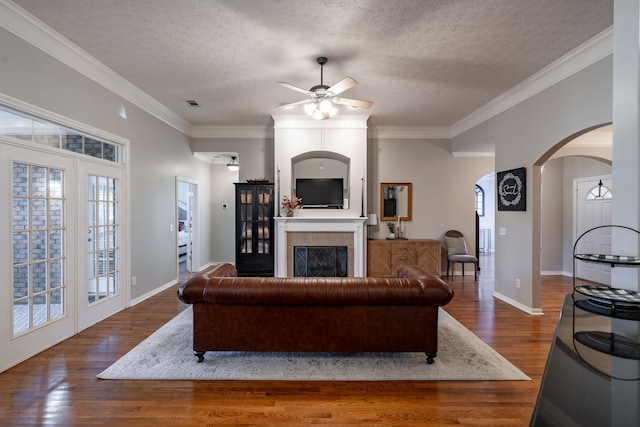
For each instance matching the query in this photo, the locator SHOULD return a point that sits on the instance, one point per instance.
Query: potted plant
(392, 230)
(290, 204)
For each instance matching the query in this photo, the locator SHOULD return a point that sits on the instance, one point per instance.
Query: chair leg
(448, 268)
(475, 271)
(462, 263)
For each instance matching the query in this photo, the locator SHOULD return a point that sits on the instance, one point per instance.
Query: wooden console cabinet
(384, 256)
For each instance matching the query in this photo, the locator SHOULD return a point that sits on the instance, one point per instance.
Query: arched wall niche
(321, 164)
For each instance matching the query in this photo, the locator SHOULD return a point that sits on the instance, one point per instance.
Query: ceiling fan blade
(296, 88)
(284, 106)
(342, 85)
(358, 103)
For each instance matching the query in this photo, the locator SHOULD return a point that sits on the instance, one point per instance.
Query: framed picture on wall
(512, 194)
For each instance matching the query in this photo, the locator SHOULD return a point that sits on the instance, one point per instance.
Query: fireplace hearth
(320, 261)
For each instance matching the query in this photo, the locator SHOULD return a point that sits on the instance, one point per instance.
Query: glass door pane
(246, 221)
(39, 255)
(102, 230)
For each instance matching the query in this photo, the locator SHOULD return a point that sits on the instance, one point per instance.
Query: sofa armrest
(433, 286)
(197, 283)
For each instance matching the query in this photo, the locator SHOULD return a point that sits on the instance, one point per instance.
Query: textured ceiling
(422, 63)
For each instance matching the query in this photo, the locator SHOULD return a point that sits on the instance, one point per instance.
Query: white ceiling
(422, 63)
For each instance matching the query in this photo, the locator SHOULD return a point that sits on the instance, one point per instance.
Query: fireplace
(320, 261)
(316, 231)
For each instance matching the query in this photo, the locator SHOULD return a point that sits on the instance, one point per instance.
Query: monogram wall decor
(512, 194)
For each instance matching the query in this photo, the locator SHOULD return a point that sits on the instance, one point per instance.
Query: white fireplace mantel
(311, 224)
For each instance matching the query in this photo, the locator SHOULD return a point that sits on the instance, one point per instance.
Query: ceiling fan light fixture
(325, 105)
(324, 98)
(321, 108)
(233, 165)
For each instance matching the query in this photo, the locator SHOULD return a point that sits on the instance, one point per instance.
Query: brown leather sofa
(315, 314)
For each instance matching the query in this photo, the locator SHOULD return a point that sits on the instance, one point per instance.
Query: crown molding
(410, 132)
(35, 32)
(588, 53)
(472, 154)
(231, 132)
(202, 157)
(303, 121)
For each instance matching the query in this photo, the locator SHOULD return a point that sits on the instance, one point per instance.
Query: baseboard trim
(555, 273)
(164, 287)
(153, 292)
(518, 305)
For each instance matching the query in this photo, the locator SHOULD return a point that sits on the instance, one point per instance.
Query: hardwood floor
(59, 387)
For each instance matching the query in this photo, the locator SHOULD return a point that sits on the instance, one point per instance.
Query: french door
(38, 280)
(63, 263)
(101, 282)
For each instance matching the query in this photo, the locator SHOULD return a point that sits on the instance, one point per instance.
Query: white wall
(552, 213)
(222, 220)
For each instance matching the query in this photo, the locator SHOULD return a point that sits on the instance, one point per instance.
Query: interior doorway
(186, 203)
(485, 207)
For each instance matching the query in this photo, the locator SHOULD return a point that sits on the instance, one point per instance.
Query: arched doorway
(586, 153)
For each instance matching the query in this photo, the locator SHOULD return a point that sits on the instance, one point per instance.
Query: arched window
(479, 200)
(598, 192)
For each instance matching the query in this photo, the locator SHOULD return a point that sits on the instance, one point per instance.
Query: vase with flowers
(290, 204)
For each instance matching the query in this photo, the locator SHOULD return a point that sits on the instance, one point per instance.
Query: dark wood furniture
(254, 229)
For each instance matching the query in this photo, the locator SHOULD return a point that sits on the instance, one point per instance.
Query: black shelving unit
(254, 229)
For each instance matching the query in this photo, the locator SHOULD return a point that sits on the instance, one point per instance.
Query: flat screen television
(320, 192)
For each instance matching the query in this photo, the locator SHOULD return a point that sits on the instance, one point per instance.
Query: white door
(102, 289)
(38, 262)
(593, 208)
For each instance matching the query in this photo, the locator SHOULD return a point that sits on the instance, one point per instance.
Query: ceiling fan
(320, 106)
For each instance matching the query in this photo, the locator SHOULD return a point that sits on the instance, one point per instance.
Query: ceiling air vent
(192, 103)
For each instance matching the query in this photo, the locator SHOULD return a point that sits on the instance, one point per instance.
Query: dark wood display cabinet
(254, 229)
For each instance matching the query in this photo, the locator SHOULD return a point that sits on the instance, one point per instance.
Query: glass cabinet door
(263, 219)
(246, 220)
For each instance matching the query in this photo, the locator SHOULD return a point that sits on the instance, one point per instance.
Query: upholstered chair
(457, 252)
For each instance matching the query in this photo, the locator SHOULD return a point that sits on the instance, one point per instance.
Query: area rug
(167, 355)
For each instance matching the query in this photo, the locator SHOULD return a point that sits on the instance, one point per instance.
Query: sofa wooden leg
(199, 355)
(430, 357)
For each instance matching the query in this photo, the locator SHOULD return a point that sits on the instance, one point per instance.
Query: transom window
(600, 191)
(21, 126)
